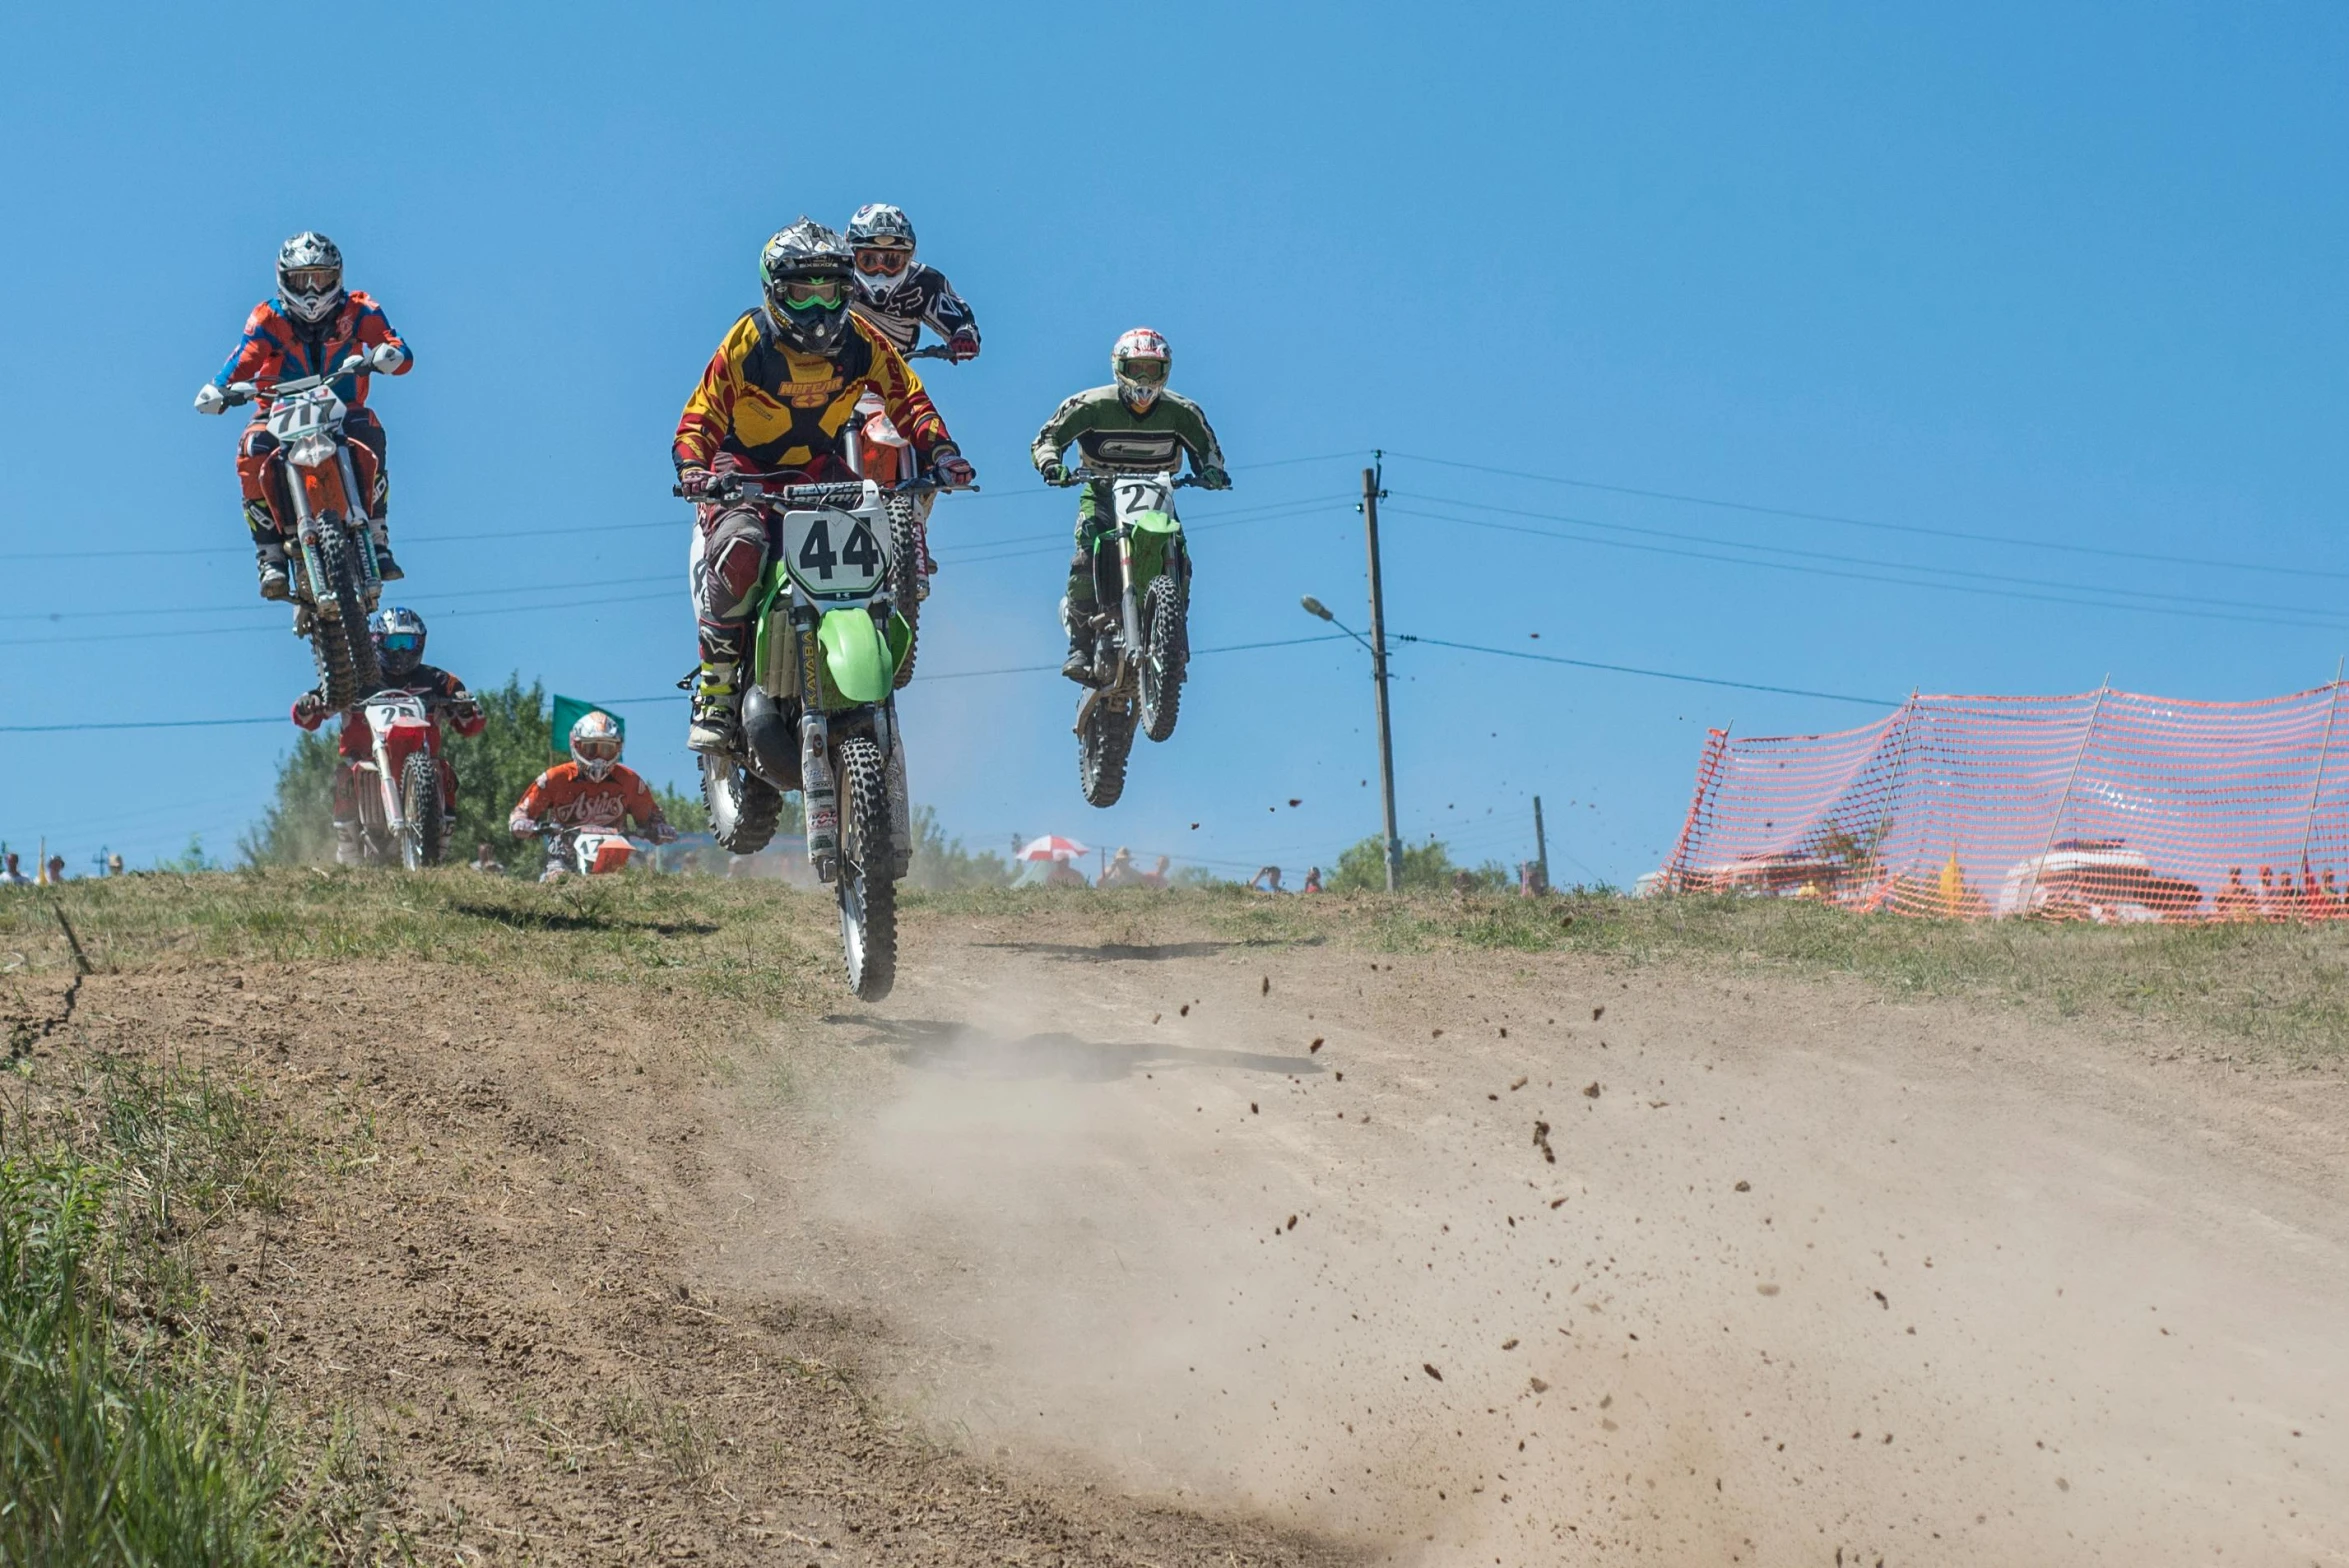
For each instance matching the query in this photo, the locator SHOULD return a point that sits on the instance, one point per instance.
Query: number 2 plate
(833, 554)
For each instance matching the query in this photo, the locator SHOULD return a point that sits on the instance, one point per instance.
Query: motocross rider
(901, 295)
(591, 791)
(398, 635)
(313, 325)
(776, 401)
(1137, 423)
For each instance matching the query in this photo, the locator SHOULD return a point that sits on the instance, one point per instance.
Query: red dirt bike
(406, 793)
(331, 550)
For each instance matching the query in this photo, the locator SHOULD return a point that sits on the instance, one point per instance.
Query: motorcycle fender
(856, 658)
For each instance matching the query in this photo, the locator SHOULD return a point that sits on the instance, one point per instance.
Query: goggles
(888, 260)
(598, 748)
(314, 280)
(828, 293)
(403, 642)
(1149, 372)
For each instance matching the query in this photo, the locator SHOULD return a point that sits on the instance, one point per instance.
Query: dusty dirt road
(1079, 1252)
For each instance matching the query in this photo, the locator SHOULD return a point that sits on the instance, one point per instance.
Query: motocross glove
(310, 710)
(1212, 478)
(694, 483)
(211, 400)
(1053, 472)
(521, 826)
(963, 345)
(386, 357)
(661, 833)
(953, 470)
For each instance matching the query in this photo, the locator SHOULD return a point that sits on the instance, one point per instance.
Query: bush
(1427, 868)
(941, 863)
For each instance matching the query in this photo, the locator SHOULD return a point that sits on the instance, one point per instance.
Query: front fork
(306, 533)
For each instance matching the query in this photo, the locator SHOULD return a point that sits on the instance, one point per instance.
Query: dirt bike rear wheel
(868, 895)
(744, 808)
(347, 667)
(905, 576)
(426, 838)
(1103, 740)
(1159, 671)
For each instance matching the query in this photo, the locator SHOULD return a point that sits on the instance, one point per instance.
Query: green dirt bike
(819, 710)
(1142, 646)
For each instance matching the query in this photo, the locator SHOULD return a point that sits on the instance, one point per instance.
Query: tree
(941, 862)
(1427, 868)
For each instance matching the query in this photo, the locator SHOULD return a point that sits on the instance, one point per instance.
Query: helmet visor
(1145, 372)
(313, 280)
(402, 644)
(597, 748)
(823, 293)
(888, 260)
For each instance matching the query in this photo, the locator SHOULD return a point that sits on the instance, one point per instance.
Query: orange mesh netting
(2104, 806)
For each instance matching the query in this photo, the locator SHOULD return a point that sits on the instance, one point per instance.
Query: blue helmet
(398, 634)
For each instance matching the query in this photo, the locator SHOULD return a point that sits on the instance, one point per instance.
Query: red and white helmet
(595, 745)
(1141, 361)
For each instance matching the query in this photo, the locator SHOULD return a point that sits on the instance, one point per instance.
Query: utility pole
(1371, 492)
(1541, 844)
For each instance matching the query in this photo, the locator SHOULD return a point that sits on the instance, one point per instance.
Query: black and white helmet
(881, 241)
(309, 277)
(805, 273)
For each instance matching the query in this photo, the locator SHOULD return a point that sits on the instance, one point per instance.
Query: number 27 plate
(833, 554)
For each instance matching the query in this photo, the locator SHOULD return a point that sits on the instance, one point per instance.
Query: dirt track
(1004, 1269)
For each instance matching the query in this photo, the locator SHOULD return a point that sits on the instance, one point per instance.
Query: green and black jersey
(1110, 435)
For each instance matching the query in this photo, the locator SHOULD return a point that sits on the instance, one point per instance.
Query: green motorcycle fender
(860, 662)
(1157, 535)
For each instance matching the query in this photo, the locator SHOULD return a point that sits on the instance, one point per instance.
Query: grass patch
(128, 1435)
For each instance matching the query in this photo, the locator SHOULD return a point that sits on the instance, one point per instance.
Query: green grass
(127, 1434)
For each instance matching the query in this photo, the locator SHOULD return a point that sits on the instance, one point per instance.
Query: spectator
(1121, 871)
(1266, 880)
(1312, 879)
(12, 877)
(114, 865)
(486, 863)
(56, 869)
(2235, 901)
(1063, 874)
(1158, 876)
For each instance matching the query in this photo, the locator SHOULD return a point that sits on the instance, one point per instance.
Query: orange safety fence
(2105, 806)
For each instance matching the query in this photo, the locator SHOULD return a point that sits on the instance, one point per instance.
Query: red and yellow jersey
(774, 408)
(564, 797)
(276, 349)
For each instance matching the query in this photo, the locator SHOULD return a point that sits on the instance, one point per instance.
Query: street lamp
(1386, 744)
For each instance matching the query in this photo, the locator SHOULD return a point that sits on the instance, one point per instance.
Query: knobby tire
(905, 577)
(428, 829)
(1164, 650)
(867, 893)
(744, 808)
(1103, 741)
(347, 667)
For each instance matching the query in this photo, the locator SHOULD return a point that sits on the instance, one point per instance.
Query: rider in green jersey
(1134, 423)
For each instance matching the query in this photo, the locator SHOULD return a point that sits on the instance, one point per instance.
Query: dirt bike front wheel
(868, 895)
(347, 667)
(744, 808)
(1159, 671)
(425, 839)
(1104, 737)
(905, 576)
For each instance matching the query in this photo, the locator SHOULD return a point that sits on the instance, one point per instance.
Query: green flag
(569, 711)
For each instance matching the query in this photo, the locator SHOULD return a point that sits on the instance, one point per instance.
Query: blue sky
(2067, 277)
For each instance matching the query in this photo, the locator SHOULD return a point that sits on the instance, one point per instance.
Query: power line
(1860, 522)
(1661, 675)
(1871, 577)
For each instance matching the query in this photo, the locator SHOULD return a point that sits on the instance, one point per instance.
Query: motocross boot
(714, 726)
(268, 551)
(381, 533)
(1077, 622)
(346, 842)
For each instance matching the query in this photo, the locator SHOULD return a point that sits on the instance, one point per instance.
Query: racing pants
(1092, 571)
(727, 563)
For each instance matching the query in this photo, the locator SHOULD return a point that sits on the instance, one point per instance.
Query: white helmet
(1141, 361)
(881, 240)
(595, 745)
(309, 277)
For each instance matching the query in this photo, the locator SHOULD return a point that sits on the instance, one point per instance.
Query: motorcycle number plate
(1135, 494)
(832, 554)
(385, 711)
(304, 414)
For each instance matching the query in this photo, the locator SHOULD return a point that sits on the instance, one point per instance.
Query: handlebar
(934, 351)
(837, 492)
(239, 393)
(1086, 476)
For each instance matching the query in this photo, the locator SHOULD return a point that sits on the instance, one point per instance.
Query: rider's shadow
(938, 1045)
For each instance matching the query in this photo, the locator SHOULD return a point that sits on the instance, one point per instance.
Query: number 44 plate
(833, 554)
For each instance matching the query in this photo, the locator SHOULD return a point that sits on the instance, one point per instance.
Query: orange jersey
(563, 796)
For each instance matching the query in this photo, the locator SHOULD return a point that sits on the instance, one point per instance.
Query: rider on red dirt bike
(312, 326)
(775, 401)
(399, 648)
(901, 295)
(591, 791)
